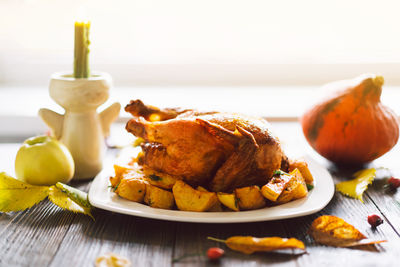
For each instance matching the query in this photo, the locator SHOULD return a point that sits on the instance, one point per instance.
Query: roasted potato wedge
(296, 189)
(132, 188)
(250, 198)
(202, 189)
(302, 166)
(274, 188)
(159, 179)
(119, 173)
(158, 198)
(301, 189)
(228, 200)
(115, 180)
(120, 170)
(217, 207)
(189, 199)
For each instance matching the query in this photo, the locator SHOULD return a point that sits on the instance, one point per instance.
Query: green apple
(43, 160)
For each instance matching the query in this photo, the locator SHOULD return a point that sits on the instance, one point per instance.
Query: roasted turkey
(220, 151)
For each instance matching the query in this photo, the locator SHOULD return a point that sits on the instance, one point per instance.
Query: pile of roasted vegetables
(143, 185)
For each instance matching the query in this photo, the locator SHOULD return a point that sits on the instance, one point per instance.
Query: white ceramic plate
(102, 197)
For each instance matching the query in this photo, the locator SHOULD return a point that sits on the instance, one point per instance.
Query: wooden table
(47, 236)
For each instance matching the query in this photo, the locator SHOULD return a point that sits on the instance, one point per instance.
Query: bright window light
(256, 41)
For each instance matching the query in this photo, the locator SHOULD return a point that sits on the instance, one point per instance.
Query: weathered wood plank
(145, 242)
(33, 236)
(354, 213)
(386, 200)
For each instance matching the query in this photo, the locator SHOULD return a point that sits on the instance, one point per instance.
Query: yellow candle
(81, 54)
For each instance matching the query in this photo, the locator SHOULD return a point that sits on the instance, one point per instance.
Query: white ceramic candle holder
(81, 128)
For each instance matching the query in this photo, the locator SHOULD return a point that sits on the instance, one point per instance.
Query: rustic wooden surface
(47, 236)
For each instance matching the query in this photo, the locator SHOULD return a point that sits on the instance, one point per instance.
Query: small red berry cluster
(374, 220)
(394, 183)
(215, 253)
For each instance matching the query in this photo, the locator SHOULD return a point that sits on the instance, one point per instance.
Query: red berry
(374, 220)
(394, 182)
(215, 253)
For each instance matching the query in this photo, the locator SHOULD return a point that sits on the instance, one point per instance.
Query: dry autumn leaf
(356, 187)
(16, 195)
(68, 200)
(249, 244)
(333, 231)
(112, 260)
(76, 195)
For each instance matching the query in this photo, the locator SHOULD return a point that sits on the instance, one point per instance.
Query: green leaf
(356, 187)
(69, 198)
(16, 195)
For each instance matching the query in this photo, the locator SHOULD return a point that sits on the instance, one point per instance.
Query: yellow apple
(43, 160)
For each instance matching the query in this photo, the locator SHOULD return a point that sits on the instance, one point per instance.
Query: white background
(207, 42)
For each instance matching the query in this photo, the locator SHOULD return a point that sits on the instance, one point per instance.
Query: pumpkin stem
(370, 87)
(378, 81)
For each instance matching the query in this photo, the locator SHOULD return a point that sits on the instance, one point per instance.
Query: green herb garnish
(155, 177)
(279, 172)
(236, 202)
(114, 188)
(310, 187)
(138, 142)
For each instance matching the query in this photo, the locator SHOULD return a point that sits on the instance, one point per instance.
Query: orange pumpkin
(352, 127)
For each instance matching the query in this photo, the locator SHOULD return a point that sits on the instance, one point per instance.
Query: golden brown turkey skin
(180, 147)
(221, 151)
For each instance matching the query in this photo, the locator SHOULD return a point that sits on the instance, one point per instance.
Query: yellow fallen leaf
(16, 195)
(76, 195)
(334, 231)
(356, 187)
(249, 244)
(69, 201)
